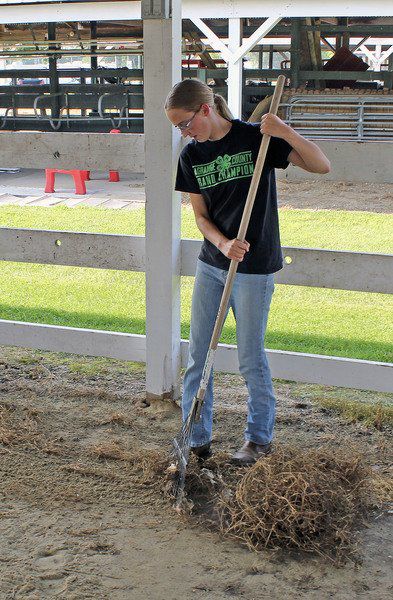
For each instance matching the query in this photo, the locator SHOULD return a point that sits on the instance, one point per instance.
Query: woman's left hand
(273, 125)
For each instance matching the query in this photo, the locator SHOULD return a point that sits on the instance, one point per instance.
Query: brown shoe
(202, 452)
(250, 452)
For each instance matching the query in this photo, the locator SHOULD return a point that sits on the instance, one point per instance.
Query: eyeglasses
(183, 126)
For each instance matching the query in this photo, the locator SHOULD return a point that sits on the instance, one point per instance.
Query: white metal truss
(256, 37)
(376, 57)
(38, 11)
(234, 52)
(232, 56)
(213, 39)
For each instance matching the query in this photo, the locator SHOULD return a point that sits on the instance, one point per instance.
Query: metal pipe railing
(349, 117)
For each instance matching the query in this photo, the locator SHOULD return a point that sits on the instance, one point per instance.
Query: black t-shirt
(221, 171)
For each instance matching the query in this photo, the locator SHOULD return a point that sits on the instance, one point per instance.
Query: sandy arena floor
(26, 188)
(76, 526)
(336, 195)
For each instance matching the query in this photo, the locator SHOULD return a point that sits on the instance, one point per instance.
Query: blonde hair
(190, 94)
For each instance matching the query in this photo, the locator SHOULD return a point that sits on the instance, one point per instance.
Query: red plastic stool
(114, 175)
(79, 176)
(79, 179)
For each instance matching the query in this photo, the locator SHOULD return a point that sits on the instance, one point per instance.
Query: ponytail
(222, 107)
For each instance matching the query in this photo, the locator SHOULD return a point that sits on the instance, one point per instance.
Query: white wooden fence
(316, 268)
(167, 257)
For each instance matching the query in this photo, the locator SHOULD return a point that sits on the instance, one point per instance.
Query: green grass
(319, 321)
(373, 409)
(336, 230)
(376, 415)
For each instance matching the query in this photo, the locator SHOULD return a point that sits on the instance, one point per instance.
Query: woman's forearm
(211, 232)
(233, 249)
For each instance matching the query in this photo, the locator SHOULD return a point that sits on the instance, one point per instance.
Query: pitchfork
(181, 443)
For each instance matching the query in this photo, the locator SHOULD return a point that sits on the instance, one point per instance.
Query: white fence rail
(356, 271)
(354, 162)
(95, 250)
(295, 366)
(102, 151)
(316, 268)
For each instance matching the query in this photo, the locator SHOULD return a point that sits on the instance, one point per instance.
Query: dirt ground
(76, 526)
(336, 195)
(319, 194)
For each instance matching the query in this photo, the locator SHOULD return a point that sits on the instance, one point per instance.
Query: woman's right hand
(234, 249)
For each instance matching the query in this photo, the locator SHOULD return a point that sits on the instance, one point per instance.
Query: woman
(215, 168)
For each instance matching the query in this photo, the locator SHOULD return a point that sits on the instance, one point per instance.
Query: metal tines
(180, 455)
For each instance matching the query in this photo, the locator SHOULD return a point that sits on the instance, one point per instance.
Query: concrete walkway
(26, 188)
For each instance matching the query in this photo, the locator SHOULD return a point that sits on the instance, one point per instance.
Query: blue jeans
(250, 302)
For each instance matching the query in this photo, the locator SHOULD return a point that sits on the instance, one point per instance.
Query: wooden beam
(53, 74)
(295, 52)
(314, 43)
(328, 45)
(134, 74)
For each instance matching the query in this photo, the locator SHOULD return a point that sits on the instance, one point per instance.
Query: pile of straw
(295, 499)
(310, 500)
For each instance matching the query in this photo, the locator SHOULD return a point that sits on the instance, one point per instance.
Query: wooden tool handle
(260, 162)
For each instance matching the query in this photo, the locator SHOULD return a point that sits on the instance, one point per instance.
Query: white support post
(235, 75)
(162, 69)
(370, 55)
(377, 54)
